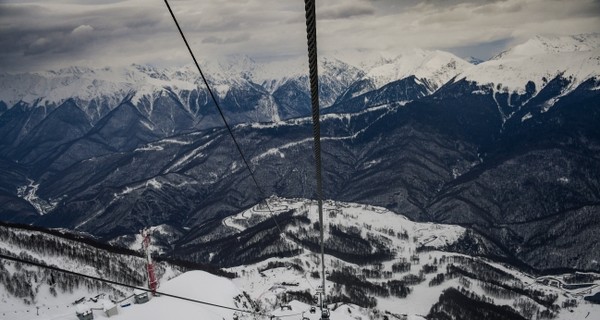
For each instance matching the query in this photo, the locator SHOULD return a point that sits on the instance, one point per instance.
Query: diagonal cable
(53, 268)
(260, 190)
(237, 145)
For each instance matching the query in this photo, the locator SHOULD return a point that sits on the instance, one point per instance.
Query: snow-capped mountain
(435, 67)
(429, 69)
(249, 90)
(540, 60)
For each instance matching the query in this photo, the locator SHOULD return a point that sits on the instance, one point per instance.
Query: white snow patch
(195, 153)
(147, 125)
(150, 147)
(277, 151)
(526, 117)
(29, 194)
(154, 183)
(563, 180)
(371, 163)
(174, 141)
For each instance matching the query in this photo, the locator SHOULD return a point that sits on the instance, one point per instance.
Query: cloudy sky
(50, 34)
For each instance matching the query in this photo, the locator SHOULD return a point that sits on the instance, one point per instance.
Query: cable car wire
(235, 142)
(239, 149)
(73, 273)
(311, 37)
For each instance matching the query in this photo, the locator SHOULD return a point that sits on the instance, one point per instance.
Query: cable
(237, 145)
(311, 37)
(316, 131)
(2, 256)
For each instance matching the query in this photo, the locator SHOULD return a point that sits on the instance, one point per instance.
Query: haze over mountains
(508, 147)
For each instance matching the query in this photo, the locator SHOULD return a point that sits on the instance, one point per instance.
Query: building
(110, 309)
(140, 296)
(84, 313)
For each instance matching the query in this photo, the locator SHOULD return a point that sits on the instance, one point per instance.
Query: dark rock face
(407, 89)
(525, 174)
(63, 125)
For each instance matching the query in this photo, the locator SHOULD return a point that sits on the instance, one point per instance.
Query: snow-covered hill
(420, 276)
(24, 288)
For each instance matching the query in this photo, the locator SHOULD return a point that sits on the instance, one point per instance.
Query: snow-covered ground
(265, 283)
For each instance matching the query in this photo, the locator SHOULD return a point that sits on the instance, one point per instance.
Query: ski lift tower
(152, 282)
(322, 305)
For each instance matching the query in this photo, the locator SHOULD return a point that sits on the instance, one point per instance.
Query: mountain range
(507, 147)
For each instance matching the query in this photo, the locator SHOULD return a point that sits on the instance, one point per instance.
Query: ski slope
(265, 284)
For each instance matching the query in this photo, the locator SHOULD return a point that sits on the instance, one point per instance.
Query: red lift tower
(152, 282)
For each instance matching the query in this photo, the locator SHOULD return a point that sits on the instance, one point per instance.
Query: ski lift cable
(260, 190)
(235, 142)
(311, 37)
(53, 268)
(230, 131)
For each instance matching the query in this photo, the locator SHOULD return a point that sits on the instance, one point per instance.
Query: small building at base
(84, 313)
(140, 296)
(110, 309)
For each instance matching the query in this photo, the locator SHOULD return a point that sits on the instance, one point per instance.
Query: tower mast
(152, 282)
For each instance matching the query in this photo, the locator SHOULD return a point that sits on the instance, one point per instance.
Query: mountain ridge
(516, 164)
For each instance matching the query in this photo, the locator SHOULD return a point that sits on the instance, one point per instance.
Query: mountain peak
(434, 65)
(473, 60)
(540, 60)
(552, 44)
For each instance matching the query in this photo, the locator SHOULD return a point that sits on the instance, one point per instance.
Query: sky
(51, 34)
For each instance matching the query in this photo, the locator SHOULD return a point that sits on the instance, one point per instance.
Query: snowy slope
(194, 285)
(24, 288)
(372, 221)
(267, 283)
(540, 60)
(437, 67)
(86, 84)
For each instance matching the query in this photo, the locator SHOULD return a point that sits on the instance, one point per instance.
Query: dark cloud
(47, 35)
(51, 34)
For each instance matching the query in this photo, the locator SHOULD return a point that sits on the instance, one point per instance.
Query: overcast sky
(50, 34)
